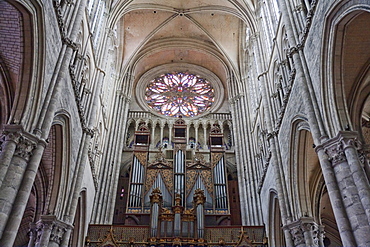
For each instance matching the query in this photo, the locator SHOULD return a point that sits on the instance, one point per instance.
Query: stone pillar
(305, 232)
(196, 126)
(354, 188)
(8, 145)
(187, 134)
(14, 175)
(205, 136)
(162, 127)
(170, 127)
(152, 143)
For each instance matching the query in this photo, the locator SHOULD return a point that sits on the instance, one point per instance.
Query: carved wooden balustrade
(117, 236)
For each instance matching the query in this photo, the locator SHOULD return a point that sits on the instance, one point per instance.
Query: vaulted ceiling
(204, 33)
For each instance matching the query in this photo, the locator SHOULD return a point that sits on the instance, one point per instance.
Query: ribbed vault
(204, 33)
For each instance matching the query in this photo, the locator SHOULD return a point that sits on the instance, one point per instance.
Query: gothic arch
(79, 222)
(6, 96)
(305, 171)
(22, 64)
(309, 195)
(61, 164)
(275, 228)
(346, 61)
(45, 194)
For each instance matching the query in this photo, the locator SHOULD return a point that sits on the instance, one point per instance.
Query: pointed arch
(21, 61)
(346, 62)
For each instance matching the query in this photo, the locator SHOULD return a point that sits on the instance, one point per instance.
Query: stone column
(14, 175)
(8, 145)
(205, 136)
(354, 189)
(162, 127)
(170, 128)
(196, 126)
(152, 144)
(187, 134)
(20, 202)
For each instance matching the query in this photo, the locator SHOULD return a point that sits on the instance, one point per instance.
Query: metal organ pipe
(136, 183)
(180, 174)
(154, 220)
(200, 220)
(220, 184)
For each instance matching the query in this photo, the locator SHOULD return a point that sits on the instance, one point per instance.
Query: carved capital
(303, 230)
(335, 147)
(297, 235)
(58, 231)
(25, 147)
(50, 229)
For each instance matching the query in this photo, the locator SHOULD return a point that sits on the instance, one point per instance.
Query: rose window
(179, 94)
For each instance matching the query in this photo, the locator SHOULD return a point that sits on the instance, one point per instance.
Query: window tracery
(179, 94)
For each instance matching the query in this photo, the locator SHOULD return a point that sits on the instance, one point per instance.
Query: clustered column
(342, 152)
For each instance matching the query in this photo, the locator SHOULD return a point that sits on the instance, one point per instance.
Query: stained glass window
(179, 94)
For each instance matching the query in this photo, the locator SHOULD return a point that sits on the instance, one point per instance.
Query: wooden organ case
(179, 200)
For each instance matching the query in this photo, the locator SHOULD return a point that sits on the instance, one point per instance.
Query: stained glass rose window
(179, 94)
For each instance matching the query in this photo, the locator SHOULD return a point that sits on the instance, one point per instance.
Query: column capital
(335, 147)
(301, 229)
(25, 141)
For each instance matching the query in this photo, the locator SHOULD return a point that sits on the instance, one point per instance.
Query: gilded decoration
(206, 177)
(215, 158)
(104, 235)
(199, 158)
(191, 177)
(166, 217)
(142, 157)
(151, 176)
(179, 146)
(156, 196)
(166, 211)
(161, 159)
(167, 178)
(109, 239)
(199, 197)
